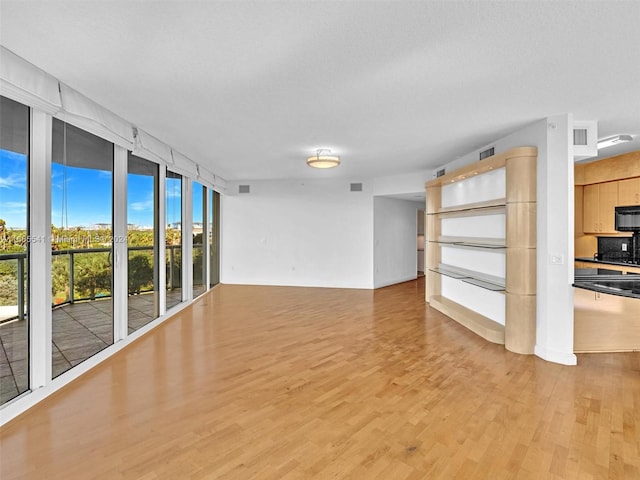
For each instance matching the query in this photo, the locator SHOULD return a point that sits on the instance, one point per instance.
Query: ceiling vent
(244, 188)
(489, 152)
(580, 136)
(356, 187)
(440, 173)
(585, 139)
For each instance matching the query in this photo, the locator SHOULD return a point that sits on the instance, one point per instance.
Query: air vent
(356, 187)
(585, 138)
(580, 136)
(440, 173)
(244, 188)
(489, 152)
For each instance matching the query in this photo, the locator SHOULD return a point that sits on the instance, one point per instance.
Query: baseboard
(562, 358)
(394, 282)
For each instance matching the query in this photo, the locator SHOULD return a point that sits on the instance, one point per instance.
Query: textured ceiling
(251, 88)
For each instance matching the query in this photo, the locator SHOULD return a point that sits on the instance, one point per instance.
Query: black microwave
(628, 219)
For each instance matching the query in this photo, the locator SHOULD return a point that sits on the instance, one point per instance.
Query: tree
(140, 273)
(93, 274)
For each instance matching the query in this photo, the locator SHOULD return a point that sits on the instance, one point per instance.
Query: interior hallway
(291, 383)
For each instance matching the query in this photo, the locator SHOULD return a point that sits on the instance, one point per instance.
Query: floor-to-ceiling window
(142, 241)
(173, 238)
(214, 237)
(198, 228)
(14, 236)
(81, 243)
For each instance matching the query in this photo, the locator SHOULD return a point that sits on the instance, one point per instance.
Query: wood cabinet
(600, 200)
(605, 323)
(629, 191)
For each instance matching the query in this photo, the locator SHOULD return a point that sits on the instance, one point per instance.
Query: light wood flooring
(296, 383)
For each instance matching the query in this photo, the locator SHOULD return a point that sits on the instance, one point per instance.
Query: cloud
(13, 181)
(141, 206)
(15, 205)
(173, 190)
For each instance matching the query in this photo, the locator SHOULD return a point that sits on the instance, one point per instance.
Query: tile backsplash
(614, 244)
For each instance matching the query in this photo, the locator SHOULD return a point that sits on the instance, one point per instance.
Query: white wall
(401, 184)
(310, 233)
(394, 240)
(554, 318)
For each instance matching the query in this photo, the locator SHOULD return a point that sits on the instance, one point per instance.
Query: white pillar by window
(187, 239)
(120, 252)
(40, 249)
(162, 241)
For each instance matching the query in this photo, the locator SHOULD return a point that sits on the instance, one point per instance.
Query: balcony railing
(173, 278)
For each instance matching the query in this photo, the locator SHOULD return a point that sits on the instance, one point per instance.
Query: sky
(87, 199)
(13, 188)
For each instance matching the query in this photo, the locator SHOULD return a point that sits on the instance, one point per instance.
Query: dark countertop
(608, 281)
(604, 262)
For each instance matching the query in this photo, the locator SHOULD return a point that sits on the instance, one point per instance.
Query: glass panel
(142, 241)
(214, 238)
(173, 213)
(14, 174)
(199, 258)
(81, 244)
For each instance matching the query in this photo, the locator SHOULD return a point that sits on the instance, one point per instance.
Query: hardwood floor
(295, 383)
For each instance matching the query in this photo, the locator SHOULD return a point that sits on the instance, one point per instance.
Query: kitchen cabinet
(599, 202)
(629, 191)
(605, 323)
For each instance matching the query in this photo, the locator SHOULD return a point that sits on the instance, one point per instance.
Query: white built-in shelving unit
(481, 247)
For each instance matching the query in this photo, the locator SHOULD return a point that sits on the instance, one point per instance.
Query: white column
(206, 231)
(554, 319)
(120, 252)
(187, 239)
(40, 330)
(162, 247)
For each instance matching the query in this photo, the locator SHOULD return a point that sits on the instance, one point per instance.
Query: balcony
(82, 324)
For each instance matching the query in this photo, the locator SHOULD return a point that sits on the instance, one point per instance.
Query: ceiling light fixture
(323, 159)
(615, 140)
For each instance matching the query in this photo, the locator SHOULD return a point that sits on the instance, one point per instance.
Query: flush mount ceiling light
(323, 159)
(615, 140)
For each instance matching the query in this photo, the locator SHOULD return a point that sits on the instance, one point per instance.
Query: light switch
(557, 259)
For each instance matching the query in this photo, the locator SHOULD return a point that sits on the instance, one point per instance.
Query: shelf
(479, 324)
(487, 285)
(482, 280)
(449, 273)
(477, 208)
(473, 242)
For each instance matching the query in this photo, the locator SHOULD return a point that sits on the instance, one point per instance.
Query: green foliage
(60, 278)
(8, 290)
(140, 273)
(140, 238)
(92, 271)
(92, 275)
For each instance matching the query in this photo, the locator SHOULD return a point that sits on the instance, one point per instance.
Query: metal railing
(173, 279)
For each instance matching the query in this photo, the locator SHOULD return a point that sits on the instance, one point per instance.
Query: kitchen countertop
(607, 281)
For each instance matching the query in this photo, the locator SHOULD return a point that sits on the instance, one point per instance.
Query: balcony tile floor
(80, 330)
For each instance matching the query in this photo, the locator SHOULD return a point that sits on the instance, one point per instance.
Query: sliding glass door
(214, 238)
(142, 242)
(199, 208)
(81, 244)
(173, 238)
(14, 249)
